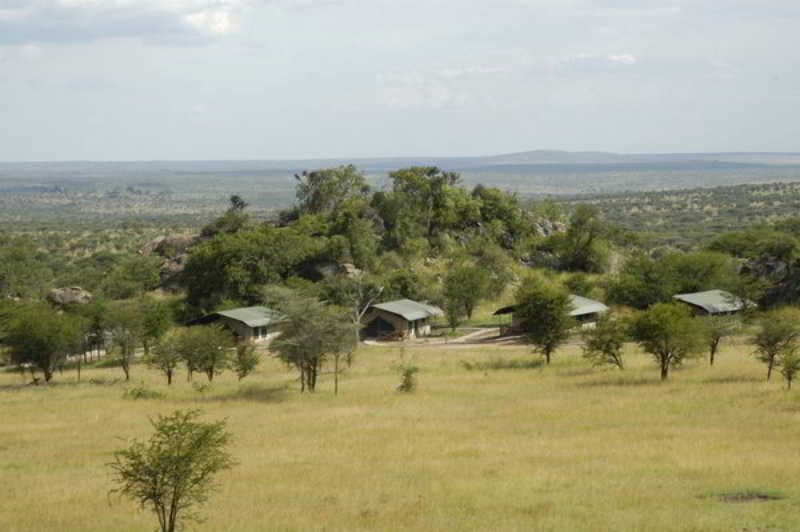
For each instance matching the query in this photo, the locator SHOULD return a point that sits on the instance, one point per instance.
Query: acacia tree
(126, 323)
(245, 360)
(40, 336)
(603, 343)
(205, 348)
(357, 293)
(790, 366)
(779, 335)
(156, 321)
(543, 313)
(310, 332)
(165, 357)
(669, 333)
(173, 471)
(465, 286)
(717, 328)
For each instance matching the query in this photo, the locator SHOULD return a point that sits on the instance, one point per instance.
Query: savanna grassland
(564, 447)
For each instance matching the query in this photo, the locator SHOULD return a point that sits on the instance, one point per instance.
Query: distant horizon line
(407, 157)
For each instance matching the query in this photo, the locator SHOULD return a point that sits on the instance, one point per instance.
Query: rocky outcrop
(783, 277)
(544, 227)
(73, 295)
(331, 269)
(173, 251)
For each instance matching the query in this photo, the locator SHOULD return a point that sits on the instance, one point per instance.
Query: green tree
(603, 343)
(245, 360)
(126, 324)
(324, 191)
(24, 272)
(234, 219)
(465, 286)
(174, 471)
(778, 335)
(205, 348)
(310, 333)
(790, 366)
(356, 293)
(669, 333)
(165, 357)
(543, 314)
(132, 277)
(237, 266)
(718, 327)
(581, 248)
(156, 320)
(40, 336)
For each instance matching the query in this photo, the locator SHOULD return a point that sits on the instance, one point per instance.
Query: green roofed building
(584, 310)
(711, 302)
(399, 319)
(248, 324)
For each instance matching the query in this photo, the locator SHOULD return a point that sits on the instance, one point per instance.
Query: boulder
(73, 295)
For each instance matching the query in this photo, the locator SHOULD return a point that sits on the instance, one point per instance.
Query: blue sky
(276, 79)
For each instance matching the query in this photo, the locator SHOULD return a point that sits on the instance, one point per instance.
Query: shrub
(408, 378)
(142, 392)
(502, 363)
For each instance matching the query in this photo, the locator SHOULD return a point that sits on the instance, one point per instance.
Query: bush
(408, 379)
(142, 392)
(502, 363)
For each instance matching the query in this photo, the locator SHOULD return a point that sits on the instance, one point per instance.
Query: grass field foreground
(564, 447)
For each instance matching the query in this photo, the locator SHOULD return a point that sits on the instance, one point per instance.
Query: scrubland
(564, 447)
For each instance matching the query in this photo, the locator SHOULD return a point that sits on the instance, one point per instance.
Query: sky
(289, 79)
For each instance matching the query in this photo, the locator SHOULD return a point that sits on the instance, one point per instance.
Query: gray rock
(73, 295)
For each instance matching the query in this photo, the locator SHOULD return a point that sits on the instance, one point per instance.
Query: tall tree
(323, 191)
(779, 334)
(156, 318)
(422, 193)
(40, 336)
(356, 293)
(311, 332)
(603, 343)
(543, 313)
(580, 247)
(669, 333)
(205, 348)
(173, 472)
(718, 327)
(165, 356)
(465, 286)
(126, 324)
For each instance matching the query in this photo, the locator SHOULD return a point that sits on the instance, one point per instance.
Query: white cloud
(625, 59)
(39, 21)
(594, 63)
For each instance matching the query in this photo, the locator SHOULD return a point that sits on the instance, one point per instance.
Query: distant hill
(539, 172)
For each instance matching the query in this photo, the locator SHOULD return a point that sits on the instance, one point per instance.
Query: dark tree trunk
(169, 378)
(547, 356)
(769, 367)
(664, 371)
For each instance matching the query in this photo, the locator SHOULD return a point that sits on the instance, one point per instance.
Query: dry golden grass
(559, 448)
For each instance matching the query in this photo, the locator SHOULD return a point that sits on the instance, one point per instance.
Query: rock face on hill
(783, 276)
(73, 295)
(545, 227)
(173, 251)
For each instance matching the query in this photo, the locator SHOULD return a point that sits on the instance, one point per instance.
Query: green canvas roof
(410, 310)
(712, 301)
(580, 307)
(584, 305)
(250, 316)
